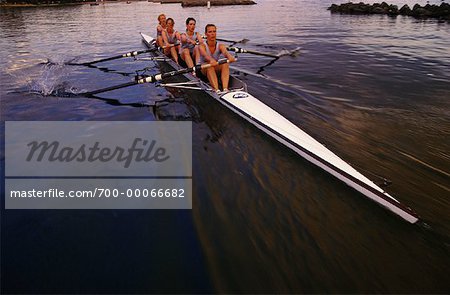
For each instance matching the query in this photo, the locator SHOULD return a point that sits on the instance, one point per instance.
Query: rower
(160, 28)
(171, 40)
(211, 52)
(189, 40)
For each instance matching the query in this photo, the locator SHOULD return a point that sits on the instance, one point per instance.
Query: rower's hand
(213, 62)
(231, 58)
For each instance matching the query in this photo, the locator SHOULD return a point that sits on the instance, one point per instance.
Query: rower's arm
(183, 37)
(165, 38)
(208, 58)
(199, 38)
(226, 53)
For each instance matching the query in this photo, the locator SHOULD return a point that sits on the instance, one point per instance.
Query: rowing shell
(275, 125)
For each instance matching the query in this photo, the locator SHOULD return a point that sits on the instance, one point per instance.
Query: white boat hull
(282, 130)
(278, 127)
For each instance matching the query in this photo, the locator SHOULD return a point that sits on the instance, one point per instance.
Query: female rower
(211, 52)
(160, 28)
(171, 40)
(189, 40)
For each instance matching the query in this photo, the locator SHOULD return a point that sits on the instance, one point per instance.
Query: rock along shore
(441, 11)
(190, 3)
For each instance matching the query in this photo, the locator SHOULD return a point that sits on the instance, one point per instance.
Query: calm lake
(374, 89)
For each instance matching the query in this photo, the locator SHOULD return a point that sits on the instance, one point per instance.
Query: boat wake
(425, 164)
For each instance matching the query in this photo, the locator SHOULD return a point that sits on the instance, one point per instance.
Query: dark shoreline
(52, 3)
(184, 3)
(63, 3)
(191, 3)
(12, 5)
(441, 12)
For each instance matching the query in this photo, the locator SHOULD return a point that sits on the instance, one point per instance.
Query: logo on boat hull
(240, 95)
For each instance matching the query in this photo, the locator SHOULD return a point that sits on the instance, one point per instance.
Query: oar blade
(293, 53)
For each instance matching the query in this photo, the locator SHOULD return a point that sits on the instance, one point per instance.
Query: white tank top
(216, 54)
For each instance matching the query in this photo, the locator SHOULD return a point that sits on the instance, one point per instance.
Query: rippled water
(374, 89)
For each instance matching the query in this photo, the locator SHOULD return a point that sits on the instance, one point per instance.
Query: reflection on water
(374, 89)
(294, 236)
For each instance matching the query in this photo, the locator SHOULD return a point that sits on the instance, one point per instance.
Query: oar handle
(155, 78)
(170, 45)
(162, 76)
(208, 65)
(242, 50)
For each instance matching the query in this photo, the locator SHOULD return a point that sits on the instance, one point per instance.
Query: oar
(242, 50)
(155, 78)
(128, 54)
(276, 56)
(243, 41)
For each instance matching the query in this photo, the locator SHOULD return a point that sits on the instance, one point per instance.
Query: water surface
(374, 89)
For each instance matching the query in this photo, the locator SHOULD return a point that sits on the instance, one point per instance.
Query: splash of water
(52, 81)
